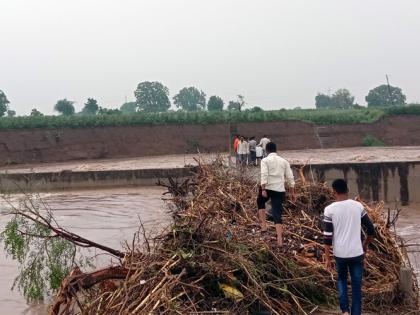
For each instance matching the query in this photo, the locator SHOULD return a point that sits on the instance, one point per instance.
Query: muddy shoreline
(67, 144)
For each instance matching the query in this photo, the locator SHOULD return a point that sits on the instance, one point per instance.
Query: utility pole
(389, 90)
(229, 142)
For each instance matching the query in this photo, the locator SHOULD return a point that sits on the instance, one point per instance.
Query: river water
(106, 216)
(111, 216)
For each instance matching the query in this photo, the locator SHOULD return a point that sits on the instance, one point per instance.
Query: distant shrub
(371, 141)
(412, 109)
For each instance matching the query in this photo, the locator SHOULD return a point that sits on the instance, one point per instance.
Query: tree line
(381, 96)
(150, 97)
(154, 97)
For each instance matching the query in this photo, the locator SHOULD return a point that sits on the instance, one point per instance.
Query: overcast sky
(278, 54)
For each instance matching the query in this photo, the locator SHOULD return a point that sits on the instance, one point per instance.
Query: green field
(317, 116)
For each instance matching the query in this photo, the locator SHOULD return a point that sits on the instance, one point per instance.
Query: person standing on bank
(275, 173)
(242, 151)
(252, 151)
(343, 230)
(258, 154)
(263, 143)
(235, 148)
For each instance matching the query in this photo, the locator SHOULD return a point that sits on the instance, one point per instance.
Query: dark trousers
(354, 266)
(252, 157)
(277, 199)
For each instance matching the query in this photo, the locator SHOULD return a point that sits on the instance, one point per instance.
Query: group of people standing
(248, 151)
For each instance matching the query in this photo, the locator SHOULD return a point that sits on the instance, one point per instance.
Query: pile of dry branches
(214, 260)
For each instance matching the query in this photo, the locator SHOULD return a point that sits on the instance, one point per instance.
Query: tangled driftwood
(213, 260)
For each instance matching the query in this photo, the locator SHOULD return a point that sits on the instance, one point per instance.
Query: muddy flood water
(106, 216)
(111, 216)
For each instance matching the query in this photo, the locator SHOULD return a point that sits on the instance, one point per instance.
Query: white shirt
(243, 147)
(263, 142)
(258, 151)
(275, 171)
(346, 217)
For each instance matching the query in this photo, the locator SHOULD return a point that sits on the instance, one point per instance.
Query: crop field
(316, 116)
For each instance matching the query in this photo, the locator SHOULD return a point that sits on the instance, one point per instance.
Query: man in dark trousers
(343, 220)
(275, 174)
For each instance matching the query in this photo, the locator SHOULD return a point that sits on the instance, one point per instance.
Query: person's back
(242, 147)
(346, 218)
(259, 151)
(235, 144)
(252, 145)
(263, 142)
(278, 171)
(343, 221)
(275, 173)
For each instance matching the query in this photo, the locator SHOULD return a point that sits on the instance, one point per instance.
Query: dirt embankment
(56, 145)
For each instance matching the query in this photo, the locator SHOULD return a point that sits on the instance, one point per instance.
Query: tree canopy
(128, 108)
(256, 109)
(109, 111)
(11, 113)
(215, 103)
(385, 95)
(65, 107)
(322, 101)
(91, 107)
(36, 113)
(342, 98)
(152, 97)
(190, 99)
(3, 103)
(237, 105)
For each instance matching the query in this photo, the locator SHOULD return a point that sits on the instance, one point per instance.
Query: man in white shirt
(258, 154)
(263, 143)
(243, 148)
(275, 173)
(343, 221)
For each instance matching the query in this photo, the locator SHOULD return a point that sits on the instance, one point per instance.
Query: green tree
(322, 101)
(108, 111)
(152, 97)
(237, 105)
(11, 113)
(385, 95)
(215, 103)
(342, 99)
(256, 109)
(233, 106)
(128, 108)
(91, 107)
(65, 107)
(3, 103)
(36, 113)
(190, 99)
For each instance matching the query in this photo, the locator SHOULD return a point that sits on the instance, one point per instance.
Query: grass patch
(371, 141)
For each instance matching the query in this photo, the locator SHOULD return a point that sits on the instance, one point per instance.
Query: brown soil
(59, 145)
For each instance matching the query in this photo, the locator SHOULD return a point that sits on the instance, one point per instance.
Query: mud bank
(59, 145)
